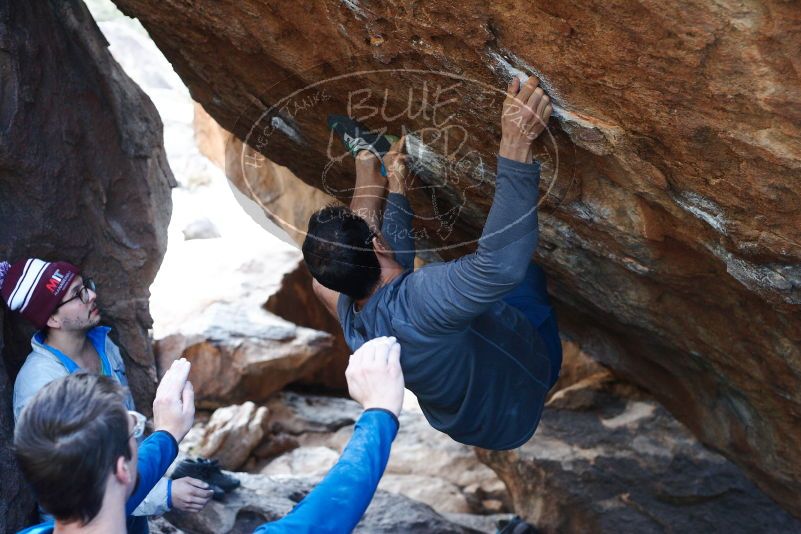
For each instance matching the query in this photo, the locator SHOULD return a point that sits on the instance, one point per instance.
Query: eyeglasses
(83, 292)
(139, 424)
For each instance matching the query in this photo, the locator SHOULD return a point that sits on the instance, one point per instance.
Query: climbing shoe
(357, 137)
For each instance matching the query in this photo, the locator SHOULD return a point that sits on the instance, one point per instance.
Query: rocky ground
(294, 439)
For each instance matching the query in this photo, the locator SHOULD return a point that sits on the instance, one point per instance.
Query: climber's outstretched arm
(446, 296)
(369, 190)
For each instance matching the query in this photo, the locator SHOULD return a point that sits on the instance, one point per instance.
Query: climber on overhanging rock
(62, 305)
(480, 341)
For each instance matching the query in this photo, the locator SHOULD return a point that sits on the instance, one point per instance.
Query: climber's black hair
(339, 253)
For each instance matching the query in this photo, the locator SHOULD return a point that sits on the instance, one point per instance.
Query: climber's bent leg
(531, 298)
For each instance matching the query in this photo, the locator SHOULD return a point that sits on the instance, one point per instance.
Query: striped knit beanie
(34, 288)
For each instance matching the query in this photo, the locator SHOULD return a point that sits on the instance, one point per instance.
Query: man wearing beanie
(62, 305)
(34, 288)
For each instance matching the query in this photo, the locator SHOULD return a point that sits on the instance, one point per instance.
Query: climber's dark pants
(531, 298)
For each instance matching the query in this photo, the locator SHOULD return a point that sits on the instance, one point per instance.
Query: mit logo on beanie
(34, 288)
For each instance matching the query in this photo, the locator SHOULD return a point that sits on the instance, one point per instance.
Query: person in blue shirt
(480, 340)
(76, 444)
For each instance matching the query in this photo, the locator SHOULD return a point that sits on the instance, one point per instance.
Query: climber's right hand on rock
(174, 405)
(374, 375)
(526, 111)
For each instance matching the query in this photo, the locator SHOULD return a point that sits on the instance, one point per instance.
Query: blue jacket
(45, 364)
(156, 453)
(479, 368)
(337, 503)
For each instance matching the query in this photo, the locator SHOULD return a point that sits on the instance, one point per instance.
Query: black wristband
(392, 415)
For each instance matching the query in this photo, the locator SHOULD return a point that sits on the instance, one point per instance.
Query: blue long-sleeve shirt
(337, 503)
(478, 367)
(396, 228)
(155, 454)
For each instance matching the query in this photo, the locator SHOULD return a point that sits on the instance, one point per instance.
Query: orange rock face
(671, 222)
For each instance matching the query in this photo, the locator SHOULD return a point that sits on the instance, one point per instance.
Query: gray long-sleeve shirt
(478, 367)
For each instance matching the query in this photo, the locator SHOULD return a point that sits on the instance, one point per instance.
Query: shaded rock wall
(83, 177)
(673, 221)
(16, 498)
(84, 172)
